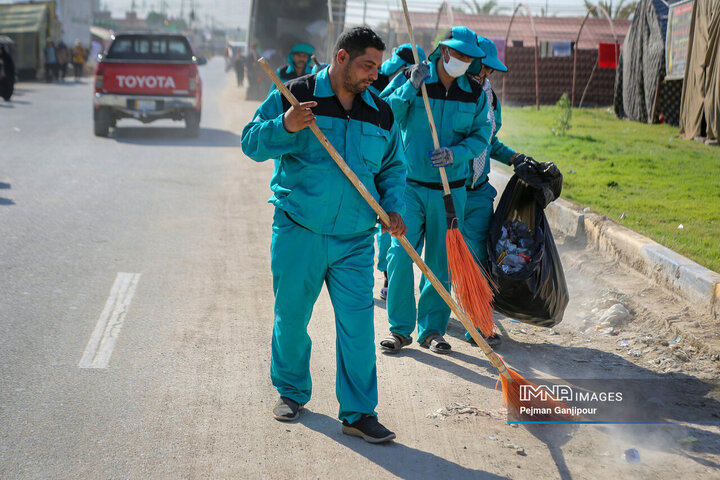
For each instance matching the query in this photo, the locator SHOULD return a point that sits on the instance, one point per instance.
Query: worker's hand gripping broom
(468, 280)
(510, 380)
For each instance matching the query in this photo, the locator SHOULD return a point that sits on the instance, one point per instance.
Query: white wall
(76, 18)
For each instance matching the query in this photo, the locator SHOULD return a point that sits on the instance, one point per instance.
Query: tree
(154, 18)
(621, 10)
(488, 8)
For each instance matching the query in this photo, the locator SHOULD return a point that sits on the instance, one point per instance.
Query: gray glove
(418, 74)
(442, 157)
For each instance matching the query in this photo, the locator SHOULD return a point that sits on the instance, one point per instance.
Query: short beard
(356, 88)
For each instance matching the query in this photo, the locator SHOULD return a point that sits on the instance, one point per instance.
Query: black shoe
(369, 429)
(493, 340)
(286, 409)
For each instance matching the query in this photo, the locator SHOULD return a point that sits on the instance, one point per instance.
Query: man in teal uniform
(323, 228)
(460, 113)
(299, 63)
(402, 58)
(480, 194)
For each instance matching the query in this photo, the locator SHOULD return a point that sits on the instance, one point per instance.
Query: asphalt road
(136, 311)
(75, 211)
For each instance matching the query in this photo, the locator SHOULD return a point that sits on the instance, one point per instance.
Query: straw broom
(511, 381)
(469, 282)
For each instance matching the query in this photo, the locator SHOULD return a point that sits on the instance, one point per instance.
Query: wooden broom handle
(385, 219)
(423, 89)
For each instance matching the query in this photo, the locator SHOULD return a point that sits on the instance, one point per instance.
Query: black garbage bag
(524, 262)
(544, 178)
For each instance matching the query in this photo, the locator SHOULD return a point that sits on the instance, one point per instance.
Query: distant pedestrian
(51, 61)
(7, 74)
(63, 57)
(239, 66)
(79, 55)
(255, 75)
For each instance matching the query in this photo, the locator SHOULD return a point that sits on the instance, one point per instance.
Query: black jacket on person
(7, 82)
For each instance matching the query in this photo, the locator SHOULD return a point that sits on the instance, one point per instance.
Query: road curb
(695, 283)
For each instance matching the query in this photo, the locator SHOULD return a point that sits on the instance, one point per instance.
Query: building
(556, 38)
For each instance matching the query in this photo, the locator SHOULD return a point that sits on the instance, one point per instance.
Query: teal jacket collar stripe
(323, 88)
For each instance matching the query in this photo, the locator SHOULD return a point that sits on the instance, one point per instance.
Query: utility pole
(364, 11)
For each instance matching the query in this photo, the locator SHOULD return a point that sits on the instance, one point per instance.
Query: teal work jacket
(307, 184)
(497, 149)
(460, 115)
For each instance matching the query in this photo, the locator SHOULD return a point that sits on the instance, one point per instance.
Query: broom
(511, 381)
(468, 280)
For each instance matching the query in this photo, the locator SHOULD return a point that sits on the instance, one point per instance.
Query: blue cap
(464, 41)
(491, 60)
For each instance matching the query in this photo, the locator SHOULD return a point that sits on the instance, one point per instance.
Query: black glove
(418, 74)
(519, 158)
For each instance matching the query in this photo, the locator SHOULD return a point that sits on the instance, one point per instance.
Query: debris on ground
(459, 409)
(631, 455)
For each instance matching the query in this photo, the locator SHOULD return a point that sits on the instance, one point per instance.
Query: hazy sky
(234, 13)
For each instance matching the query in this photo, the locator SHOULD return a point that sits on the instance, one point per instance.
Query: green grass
(659, 181)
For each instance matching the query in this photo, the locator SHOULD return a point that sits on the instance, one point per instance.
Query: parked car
(148, 76)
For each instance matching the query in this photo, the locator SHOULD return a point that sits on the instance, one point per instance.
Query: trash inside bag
(524, 262)
(515, 248)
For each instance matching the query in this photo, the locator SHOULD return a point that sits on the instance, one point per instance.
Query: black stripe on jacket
(304, 87)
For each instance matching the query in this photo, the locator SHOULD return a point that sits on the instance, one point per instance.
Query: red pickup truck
(148, 76)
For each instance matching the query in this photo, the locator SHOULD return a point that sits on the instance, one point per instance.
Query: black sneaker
(286, 409)
(369, 429)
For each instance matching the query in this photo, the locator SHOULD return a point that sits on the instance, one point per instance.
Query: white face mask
(455, 67)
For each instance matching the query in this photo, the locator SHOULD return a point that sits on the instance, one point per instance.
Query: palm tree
(488, 8)
(621, 10)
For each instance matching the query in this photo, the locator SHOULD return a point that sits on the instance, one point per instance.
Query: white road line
(102, 341)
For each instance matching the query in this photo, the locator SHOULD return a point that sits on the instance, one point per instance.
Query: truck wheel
(102, 123)
(192, 123)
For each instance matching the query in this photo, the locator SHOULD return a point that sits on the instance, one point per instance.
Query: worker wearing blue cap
(480, 194)
(402, 57)
(460, 113)
(299, 63)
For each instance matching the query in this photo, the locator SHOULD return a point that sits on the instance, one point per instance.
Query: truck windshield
(150, 48)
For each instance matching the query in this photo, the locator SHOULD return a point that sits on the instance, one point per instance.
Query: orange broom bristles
(471, 286)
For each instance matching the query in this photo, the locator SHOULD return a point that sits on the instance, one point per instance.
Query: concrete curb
(695, 283)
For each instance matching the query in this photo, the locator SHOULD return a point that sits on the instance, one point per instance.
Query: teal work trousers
(478, 213)
(301, 262)
(384, 240)
(426, 227)
(476, 228)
